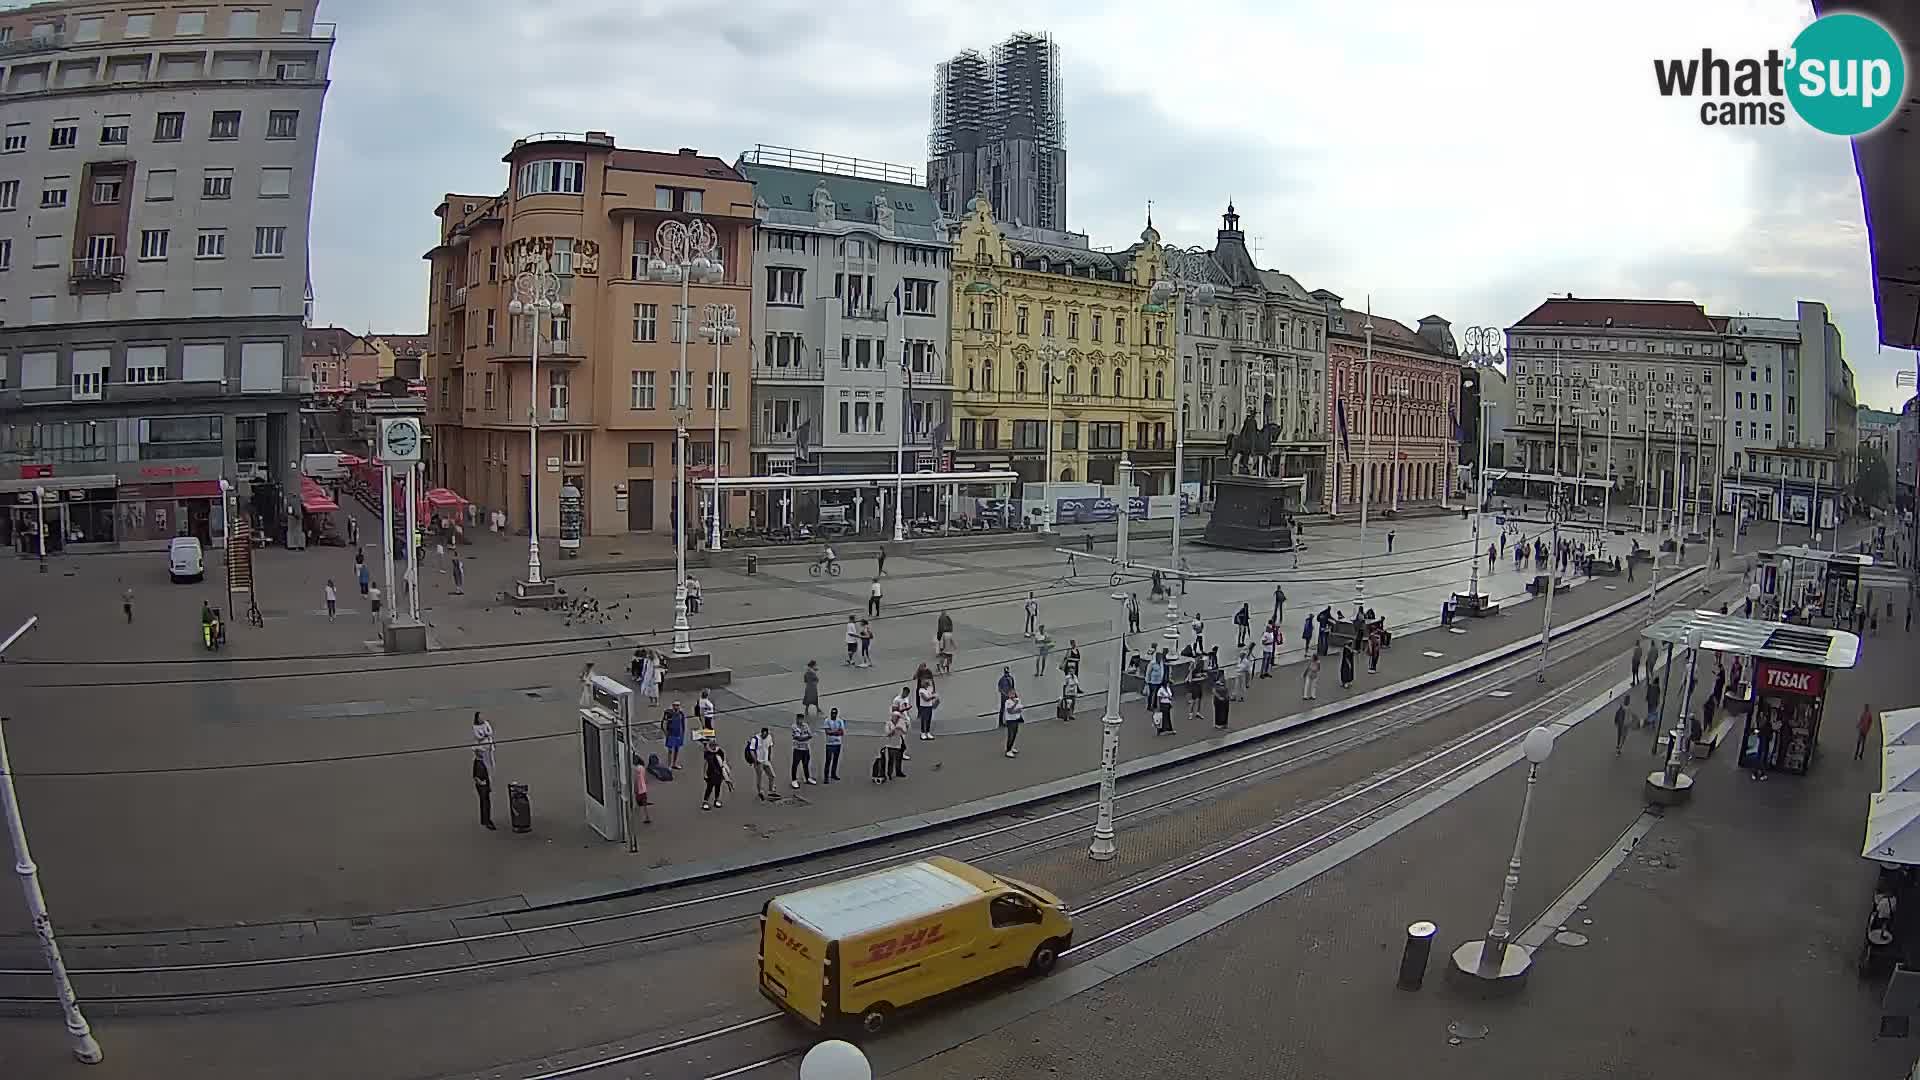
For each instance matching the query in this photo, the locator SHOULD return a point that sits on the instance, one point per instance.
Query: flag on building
(1453, 419)
(1340, 417)
(802, 441)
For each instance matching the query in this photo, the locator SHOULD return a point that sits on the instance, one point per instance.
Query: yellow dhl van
(857, 951)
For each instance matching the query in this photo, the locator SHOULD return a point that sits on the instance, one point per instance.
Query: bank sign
(1844, 75)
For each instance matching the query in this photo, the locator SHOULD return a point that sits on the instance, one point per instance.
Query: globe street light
(835, 1060)
(536, 292)
(1102, 848)
(685, 252)
(1492, 962)
(1050, 358)
(722, 325)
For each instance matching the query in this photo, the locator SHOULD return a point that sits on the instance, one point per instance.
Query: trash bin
(1446, 613)
(753, 563)
(1413, 959)
(519, 810)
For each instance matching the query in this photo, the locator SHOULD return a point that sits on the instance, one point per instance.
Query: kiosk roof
(1785, 642)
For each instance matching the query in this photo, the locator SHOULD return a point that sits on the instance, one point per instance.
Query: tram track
(1048, 824)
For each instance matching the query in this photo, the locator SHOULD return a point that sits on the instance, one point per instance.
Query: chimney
(687, 151)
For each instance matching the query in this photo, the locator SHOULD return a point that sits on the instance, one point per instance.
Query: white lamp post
(835, 1060)
(1400, 395)
(1102, 848)
(722, 325)
(1203, 295)
(1606, 455)
(685, 252)
(1366, 466)
(536, 292)
(1049, 356)
(1493, 961)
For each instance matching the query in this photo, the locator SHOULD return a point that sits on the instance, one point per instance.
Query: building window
(276, 183)
(562, 261)
(1119, 330)
(53, 192)
(66, 135)
(225, 125)
(16, 139)
(1046, 323)
(270, 241)
(1096, 326)
(640, 390)
(639, 455)
(1106, 436)
(9, 194)
(562, 323)
(490, 325)
(1029, 435)
(917, 297)
(553, 178)
(211, 244)
(113, 131)
(217, 184)
(1073, 326)
(283, 124)
(785, 286)
(6, 257)
(487, 391)
(167, 126)
(1069, 434)
(646, 325)
(685, 200)
(153, 244)
(989, 434)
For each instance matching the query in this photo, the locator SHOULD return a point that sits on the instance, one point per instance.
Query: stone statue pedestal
(1250, 513)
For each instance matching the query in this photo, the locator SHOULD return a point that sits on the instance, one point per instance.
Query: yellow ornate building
(1029, 305)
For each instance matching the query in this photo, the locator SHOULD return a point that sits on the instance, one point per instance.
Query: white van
(185, 560)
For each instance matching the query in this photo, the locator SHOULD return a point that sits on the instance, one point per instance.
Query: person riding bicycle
(830, 558)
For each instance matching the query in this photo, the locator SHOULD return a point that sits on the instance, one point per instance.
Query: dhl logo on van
(893, 947)
(791, 942)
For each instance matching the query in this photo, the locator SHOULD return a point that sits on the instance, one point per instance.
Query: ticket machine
(606, 732)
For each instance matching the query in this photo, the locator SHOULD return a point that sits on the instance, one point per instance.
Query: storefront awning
(314, 498)
(58, 483)
(1900, 768)
(1900, 727)
(1893, 827)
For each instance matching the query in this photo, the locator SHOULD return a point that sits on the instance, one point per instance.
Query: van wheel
(877, 1018)
(1044, 958)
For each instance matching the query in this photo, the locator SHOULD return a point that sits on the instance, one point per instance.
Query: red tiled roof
(1719, 323)
(327, 341)
(1386, 332)
(406, 343)
(675, 164)
(1629, 314)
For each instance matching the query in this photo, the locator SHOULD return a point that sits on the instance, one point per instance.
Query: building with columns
(608, 392)
(1403, 432)
(1259, 350)
(1624, 390)
(1032, 306)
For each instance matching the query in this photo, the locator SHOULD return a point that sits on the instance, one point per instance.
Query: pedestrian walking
(1269, 646)
(880, 561)
(126, 602)
(1033, 615)
(1620, 725)
(1373, 650)
(1865, 727)
(1071, 665)
(1242, 627)
(852, 640)
(759, 755)
(1310, 682)
(650, 672)
(483, 741)
(1005, 686)
(1162, 705)
(673, 725)
(460, 587)
(810, 681)
(1133, 613)
(1389, 541)
(1634, 678)
(1197, 679)
(1156, 675)
(1280, 594)
(1346, 666)
(333, 602)
(373, 599)
(1042, 646)
(944, 659)
(640, 798)
(1243, 669)
(873, 599)
(866, 643)
(833, 731)
(926, 699)
(896, 745)
(1222, 702)
(1199, 634)
(715, 762)
(706, 711)
(802, 750)
(1012, 716)
(483, 787)
(1069, 697)
(360, 572)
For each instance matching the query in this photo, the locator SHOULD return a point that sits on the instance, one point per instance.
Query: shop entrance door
(199, 520)
(639, 506)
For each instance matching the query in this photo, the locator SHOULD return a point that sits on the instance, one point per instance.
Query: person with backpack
(759, 755)
(1013, 714)
(833, 731)
(802, 750)
(895, 751)
(716, 773)
(1242, 626)
(673, 724)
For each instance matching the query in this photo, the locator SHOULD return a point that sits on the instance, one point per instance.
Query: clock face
(403, 440)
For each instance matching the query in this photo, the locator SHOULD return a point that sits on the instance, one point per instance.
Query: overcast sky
(1464, 159)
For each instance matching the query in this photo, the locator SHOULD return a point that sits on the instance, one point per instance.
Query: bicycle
(254, 616)
(832, 567)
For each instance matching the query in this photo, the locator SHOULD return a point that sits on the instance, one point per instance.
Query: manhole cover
(1573, 939)
(1461, 1029)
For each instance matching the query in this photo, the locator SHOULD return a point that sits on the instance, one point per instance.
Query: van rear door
(792, 965)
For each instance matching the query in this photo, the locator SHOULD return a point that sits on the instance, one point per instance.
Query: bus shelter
(1830, 587)
(1786, 673)
(793, 507)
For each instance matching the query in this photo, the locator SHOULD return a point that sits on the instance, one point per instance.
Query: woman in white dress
(650, 678)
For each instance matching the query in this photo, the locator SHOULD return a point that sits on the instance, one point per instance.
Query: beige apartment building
(608, 391)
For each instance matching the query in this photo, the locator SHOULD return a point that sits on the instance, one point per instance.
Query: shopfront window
(247, 442)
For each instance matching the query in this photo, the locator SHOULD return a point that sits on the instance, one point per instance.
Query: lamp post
(685, 252)
(1102, 848)
(1606, 455)
(1048, 355)
(536, 292)
(40, 521)
(1479, 510)
(1203, 295)
(721, 326)
(1556, 509)
(1492, 961)
(1366, 466)
(900, 438)
(1400, 393)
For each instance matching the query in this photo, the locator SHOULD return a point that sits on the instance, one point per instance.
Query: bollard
(1413, 960)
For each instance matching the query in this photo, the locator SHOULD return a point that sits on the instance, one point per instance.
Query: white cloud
(1465, 159)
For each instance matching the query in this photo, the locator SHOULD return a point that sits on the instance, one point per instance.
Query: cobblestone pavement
(1723, 948)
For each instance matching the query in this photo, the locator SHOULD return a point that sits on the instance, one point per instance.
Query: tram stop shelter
(823, 505)
(1787, 671)
(1830, 585)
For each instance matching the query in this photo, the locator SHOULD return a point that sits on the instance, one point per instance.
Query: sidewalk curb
(867, 835)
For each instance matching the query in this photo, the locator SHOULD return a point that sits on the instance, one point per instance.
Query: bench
(1538, 586)
(1345, 631)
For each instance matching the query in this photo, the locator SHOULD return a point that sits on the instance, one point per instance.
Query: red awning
(444, 498)
(314, 498)
(350, 460)
(196, 489)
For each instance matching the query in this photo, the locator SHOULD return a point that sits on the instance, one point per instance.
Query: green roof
(792, 189)
(978, 287)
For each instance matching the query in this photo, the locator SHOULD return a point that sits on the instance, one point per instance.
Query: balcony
(863, 314)
(33, 44)
(811, 371)
(97, 269)
(762, 436)
(458, 297)
(557, 414)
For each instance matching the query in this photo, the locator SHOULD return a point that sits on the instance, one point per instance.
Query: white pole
(1780, 513)
(1399, 408)
(1480, 505)
(682, 630)
(720, 336)
(1102, 848)
(900, 443)
(386, 533)
(1179, 463)
(413, 548)
(85, 1049)
(533, 437)
(40, 517)
(1048, 504)
(1554, 511)
(1699, 445)
(1606, 467)
(1366, 465)
(1646, 466)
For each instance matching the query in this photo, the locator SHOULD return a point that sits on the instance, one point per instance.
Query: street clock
(399, 441)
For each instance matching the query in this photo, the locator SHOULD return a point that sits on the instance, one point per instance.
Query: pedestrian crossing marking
(1431, 655)
(1499, 693)
(1455, 630)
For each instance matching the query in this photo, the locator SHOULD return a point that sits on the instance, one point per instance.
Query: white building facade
(1791, 418)
(155, 190)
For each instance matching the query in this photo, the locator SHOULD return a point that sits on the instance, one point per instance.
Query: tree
(1873, 486)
